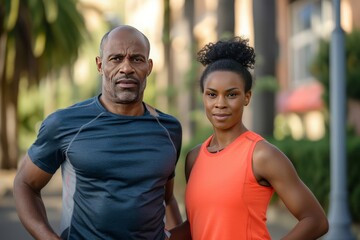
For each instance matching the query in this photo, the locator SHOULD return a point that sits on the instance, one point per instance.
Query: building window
(310, 21)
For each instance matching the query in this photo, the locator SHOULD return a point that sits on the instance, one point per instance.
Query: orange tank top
(223, 199)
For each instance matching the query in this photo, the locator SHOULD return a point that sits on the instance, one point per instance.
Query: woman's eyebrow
(227, 90)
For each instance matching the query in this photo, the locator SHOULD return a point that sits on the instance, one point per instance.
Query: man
(116, 153)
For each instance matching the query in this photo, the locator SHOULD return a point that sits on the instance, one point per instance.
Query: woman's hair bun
(237, 49)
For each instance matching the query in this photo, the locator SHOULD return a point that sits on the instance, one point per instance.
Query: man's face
(124, 66)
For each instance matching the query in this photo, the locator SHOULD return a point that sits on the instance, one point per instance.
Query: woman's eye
(211, 94)
(232, 95)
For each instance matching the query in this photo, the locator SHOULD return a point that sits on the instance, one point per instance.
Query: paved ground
(10, 226)
(279, 220)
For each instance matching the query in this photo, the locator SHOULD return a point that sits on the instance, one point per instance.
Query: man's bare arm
(28, 183)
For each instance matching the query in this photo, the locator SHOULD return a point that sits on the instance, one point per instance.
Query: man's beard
(126, 97)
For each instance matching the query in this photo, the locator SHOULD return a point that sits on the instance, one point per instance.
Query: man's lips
(126, 83)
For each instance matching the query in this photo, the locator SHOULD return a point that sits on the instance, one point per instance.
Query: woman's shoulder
(269, 161)
(190, 160)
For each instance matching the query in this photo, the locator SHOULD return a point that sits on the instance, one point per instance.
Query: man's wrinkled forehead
(124, 32)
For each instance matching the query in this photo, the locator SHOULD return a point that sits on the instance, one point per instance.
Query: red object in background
(302, 99)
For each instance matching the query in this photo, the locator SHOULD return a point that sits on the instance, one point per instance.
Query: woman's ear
(247, 97)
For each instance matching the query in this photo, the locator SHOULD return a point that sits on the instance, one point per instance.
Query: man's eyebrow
(116, 55)
(123, 55)
(137, 55)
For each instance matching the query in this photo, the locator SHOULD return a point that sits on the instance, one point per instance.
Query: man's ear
(98, 64)
(150, 62)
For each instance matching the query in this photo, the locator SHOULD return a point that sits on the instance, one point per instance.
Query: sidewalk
(280, 221)
(10, 225)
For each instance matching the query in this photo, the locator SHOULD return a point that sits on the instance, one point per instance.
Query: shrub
(320, 66)
(312, 162)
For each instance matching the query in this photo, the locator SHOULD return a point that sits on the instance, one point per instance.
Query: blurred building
(300, 26)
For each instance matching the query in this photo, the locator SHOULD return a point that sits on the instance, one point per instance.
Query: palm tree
(37, 37)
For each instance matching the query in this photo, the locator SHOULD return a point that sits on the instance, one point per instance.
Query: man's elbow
(16, 186)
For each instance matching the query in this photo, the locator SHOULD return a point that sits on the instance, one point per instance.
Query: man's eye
(115, 59)
(138, 60)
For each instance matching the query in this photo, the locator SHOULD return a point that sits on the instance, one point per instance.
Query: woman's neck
(221, 138)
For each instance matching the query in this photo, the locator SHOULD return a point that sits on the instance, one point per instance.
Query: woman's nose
(220, 102)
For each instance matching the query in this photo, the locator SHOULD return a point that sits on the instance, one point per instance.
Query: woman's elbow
(325, 225)
(322, 225)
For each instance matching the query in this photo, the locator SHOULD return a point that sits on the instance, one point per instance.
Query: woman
(234, 173)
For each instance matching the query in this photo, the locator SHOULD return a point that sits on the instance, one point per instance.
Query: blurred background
(47, 61)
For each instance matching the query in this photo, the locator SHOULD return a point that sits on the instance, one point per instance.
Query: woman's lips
(221, 117)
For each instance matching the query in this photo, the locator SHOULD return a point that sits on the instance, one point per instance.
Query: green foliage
(353, 156)
(312, 162)
(266, 83)
(38, 38)
(204, 130)
(30, 114)
(320, 66)
(42, 36)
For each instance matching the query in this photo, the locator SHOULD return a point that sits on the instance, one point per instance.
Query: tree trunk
(8, 122)
(9, 90)
(225, 18)
(193, 83)
(4, 151)
(263, 101)
(167, 54)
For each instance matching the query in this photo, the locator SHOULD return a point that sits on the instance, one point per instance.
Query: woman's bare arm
(271, 164)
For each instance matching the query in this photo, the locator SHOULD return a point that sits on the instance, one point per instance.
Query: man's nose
(126, 67)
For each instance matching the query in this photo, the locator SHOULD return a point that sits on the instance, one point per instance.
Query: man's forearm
(181, 232)
(173, 216)
(32, 213)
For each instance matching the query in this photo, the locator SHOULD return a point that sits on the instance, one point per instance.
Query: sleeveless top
(223, 198)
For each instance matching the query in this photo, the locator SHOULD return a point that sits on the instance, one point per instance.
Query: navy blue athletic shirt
(114, 169)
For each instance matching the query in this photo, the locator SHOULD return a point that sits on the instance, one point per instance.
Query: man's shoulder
(73, 111)
(164, 115)
(85, 103)
(76, 107)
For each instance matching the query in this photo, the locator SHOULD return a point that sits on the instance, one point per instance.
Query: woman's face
(224, 99)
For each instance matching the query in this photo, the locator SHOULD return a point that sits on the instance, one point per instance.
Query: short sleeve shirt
(114, 169)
